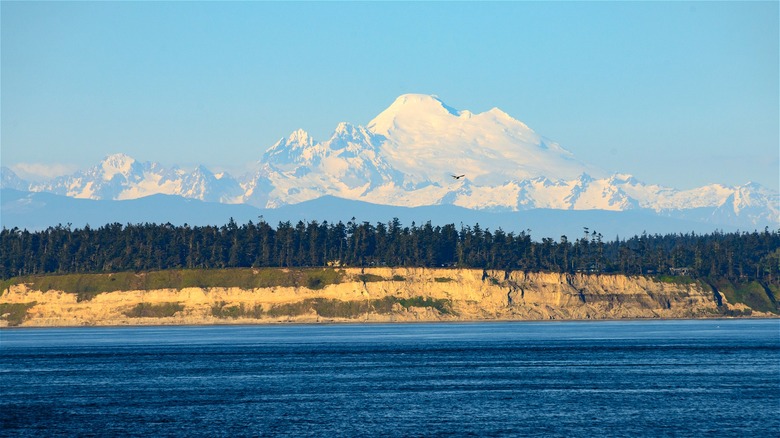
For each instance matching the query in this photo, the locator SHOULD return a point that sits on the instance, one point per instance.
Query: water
(655, 378)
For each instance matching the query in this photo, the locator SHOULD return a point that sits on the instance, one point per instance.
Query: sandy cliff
(402, 294)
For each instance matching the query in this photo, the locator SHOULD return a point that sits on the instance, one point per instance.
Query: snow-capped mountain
(407, 156)
(427, 140)
(350, 164)
(120, 177)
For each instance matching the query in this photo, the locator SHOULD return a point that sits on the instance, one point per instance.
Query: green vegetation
(149, 310)
(774, 290)
(5, 284)
(323, 307)
(312, 278)
(753, 294)
(386, 304)
(233, 311)
(113, 257)
(399, 278)
(14, 313)
(368, 278)
(87, 286)
(190, 251)
(353, 309)
(675, 279)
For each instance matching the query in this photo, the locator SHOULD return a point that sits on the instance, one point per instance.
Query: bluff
(378, 295)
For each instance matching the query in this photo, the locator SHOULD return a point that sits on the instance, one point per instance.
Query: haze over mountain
(407, 156)
(39, 210)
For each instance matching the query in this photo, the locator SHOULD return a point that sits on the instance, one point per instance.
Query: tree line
(144, 247)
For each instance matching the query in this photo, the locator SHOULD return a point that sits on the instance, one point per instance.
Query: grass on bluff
(369, 278)
(233, 311)
(675, 279)
(87, 286)
(752, 294)
(149, 310)
(14, 313)
(323, 307)
(328, 308)
(385, 305)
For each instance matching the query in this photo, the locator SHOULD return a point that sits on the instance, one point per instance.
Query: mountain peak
(426, 138)
(425, 101)
(202, 170)
(300, 137)
(411, 107)
(10, 180)
(118, 159)
(345, 128)
(117, 164)
(6, 171)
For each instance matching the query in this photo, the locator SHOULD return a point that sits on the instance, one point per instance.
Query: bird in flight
(458, 176)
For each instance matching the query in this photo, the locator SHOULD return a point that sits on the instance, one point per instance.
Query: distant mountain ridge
(39, 210)
(121, 177)
(406, 157)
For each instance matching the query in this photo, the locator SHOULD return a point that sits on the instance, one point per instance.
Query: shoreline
(423, 295)
(398, 323)
(763, 317)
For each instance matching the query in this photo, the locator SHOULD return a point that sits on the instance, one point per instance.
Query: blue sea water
(573, 379)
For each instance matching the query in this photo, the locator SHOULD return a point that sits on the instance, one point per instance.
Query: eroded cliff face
(402, 294)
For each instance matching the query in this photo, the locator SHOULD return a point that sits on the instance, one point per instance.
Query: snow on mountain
(121, 177)
(751, 202)
(581, 193)
(406, 157)
(119, 164)
(349, 164)
(297, 148)
(428, 140)
(204, 185)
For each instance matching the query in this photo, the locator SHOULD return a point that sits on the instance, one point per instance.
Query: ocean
(572, 379)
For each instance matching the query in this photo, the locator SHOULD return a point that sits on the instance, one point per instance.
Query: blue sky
(676, 93)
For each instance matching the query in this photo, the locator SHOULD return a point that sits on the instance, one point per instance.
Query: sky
(680, 94)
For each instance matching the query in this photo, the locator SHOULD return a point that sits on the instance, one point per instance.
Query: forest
(146, 247)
